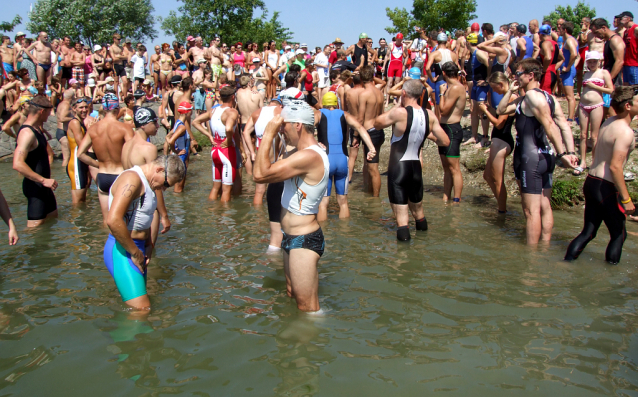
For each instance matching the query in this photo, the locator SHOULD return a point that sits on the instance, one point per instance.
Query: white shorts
(323, 82)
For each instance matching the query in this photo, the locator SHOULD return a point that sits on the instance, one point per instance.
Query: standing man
(31, 160)
(352, 107)
(8, 56)
(452, 107)
(410, 126)
(120, 60)
(613, 56)
(322, 65)
(107, 137)
(77, 171)
(398, 52)
(64, 114)
(305, 176)
(216, 58)
(43, 52)
(550, 56)
(568, 69)
(630, 37)
(359, 51)
(371, 106)
(77, 61)
(533, 31)
(418, 46)
(436, 60)
(524, 44)
(606, 195)
(333, 55)
(247, 102)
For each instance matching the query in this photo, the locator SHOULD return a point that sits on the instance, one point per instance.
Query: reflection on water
(465, 307)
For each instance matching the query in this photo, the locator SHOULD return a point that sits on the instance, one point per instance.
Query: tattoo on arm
(127, 190)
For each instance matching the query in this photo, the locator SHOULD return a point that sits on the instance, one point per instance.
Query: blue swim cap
(414, 73)
(281, 52)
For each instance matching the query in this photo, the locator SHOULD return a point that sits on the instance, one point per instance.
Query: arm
(161, 208)
(449, 98)
(127, 188)
(565, 129)
(505, 106)
(352, 122)
(622, 145)
(250, 127)
(522, 49)
(27, 140)
(609, 85)
(428, 66)
(437, 134)
(197, 123)
(618, 48)
(83, 149)
(546, 49)
(537, 103)
(5, 213)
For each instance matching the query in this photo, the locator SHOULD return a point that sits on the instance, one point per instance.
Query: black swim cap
(144, 116)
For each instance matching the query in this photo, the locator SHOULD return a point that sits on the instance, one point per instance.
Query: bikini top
(595, 81)
(127, 117)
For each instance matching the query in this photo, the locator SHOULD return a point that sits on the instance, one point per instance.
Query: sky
(319, 23)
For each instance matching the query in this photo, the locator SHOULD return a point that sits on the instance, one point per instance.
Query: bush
(567, 192)
(474, 163)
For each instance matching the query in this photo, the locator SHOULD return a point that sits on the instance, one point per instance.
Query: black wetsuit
(602, 203)
(533, 157)
(40, 200)
(405, 180)
(171, 106)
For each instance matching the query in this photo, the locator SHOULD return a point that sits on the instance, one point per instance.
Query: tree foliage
(94, 21)
(232, 20)
(575, 15)
(431, 15)
(8, 26)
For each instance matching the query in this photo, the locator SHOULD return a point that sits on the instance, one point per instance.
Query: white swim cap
(298, 112)
(291, 94)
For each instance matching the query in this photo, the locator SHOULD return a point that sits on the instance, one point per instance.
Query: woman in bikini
(166, 61)
(596, 82)
(98, 61)
(126, 113)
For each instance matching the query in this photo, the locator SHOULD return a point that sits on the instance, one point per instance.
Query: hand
(253, 157)
(514, 86)
(244, 158)
(629, 208)
(181, 152)
(570, 160)
(482, 107)
(13, 236)
(166, 223)
(443, 88)
(194, 143)
(356, 141)
(273, 127)
(140, 261)
(371, 154)
(50, 183)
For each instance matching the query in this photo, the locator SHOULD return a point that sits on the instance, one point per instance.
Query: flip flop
(578, 171)
(629, 176)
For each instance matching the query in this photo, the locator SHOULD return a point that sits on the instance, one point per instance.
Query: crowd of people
(295, 120)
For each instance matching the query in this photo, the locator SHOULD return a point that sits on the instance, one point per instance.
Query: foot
(469, 141)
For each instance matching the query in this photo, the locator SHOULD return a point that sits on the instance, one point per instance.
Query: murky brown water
(465, 308)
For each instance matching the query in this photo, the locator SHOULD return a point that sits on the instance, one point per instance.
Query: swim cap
(110, 102)
(329, 99)
(545, 30)
(441, 38)
(176, 79)
(475, 27)
(144, 116)
(139, 93)
(521, 28)
(472, 38)
(447, 32)
(500, 34)
(291, 95)
(185, 107)
(363, 36)
(414, 73)
(298, 112)
(399, 36)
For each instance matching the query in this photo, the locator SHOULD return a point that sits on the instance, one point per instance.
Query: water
(465, 308)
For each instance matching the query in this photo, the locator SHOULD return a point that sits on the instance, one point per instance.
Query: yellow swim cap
(472, 38)
(24, 99)
(329, 99)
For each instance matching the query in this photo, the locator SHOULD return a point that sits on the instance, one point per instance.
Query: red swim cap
(399, 36)
(475, 27)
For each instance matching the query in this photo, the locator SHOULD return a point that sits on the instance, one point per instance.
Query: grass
(567, 192)
(475, 163)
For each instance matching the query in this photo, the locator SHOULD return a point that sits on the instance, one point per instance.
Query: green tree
(94, 21)
(574, 15)
(232, 20)
(431, 15)
(8, 26)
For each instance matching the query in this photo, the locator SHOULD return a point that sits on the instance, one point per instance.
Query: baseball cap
(298, 112)
(363, 36)
(73, 81)
(185, 107)
(300, 51)
(97, 47)
(110, 102)
(304, 45)
(201, 60)
(109, 79)
(190, 38)
(545, 30)
(592, 55)
(329, 99)
(91, 83)
(176, 79)
(414, 73)
(442, 37)
(472, 38)
(20, 34)
(256, 60)
(144, 116)
(521, 28)
(475, 27)
(399, 36)
(139, 93)
(128, 40)
(627, 14)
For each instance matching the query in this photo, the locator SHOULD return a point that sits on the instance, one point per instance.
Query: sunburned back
(108, 137)
(352, 100)
(137, 152)
(247, 103)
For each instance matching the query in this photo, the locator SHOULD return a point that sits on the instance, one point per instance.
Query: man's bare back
(247, 103)
(108, 137)
(137, 151)
(370, 105)
(352, 100)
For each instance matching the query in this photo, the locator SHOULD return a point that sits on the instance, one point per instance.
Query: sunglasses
(166, 184)
(519, 74)
(80, 100)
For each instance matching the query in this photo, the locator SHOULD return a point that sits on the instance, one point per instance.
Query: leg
(417, 210)
(447, 178)
(104, 205)
(593, 218)
(495, 172)
(66, 153)
(322, 215)
(375, 178)
(141, 303)
(344, 211)
(42, 74)
(78, 196)
(304, 278)
(275, 236)
(532, 210)
(226, 193)
(547, 216)
(32, 223)
(214, 192)
(595, 121)
(474, 117)
(457, 177)
(352, 159)
(260, 190)
(583, 120)
(401, 214)
(571, 101)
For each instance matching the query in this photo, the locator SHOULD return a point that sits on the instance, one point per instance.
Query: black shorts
(377, 137)
(351, 133)
(312, 241)
(120, 69)
(455, 133)
(469, 72)
(405, 182)
(67, 72)
(40, 200)
(273, 200)
(139, 80)
(534, 170)
(105, 181)
(59, 134)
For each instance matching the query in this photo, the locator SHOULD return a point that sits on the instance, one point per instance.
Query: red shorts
(395, 69)
(224, 164)
(581, 52)
(548, 80)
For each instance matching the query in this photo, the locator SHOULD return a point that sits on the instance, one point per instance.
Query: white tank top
(267, 113)
(445, 56)
(272, 59)
(217, 128)
(139, 214)
(397, 53)
(303, 199)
